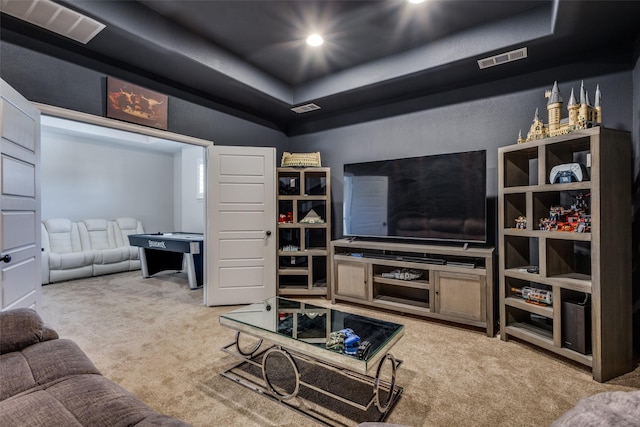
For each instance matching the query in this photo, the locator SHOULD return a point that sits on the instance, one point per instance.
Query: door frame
(63, 113)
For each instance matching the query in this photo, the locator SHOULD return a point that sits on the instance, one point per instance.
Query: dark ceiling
(249, 57)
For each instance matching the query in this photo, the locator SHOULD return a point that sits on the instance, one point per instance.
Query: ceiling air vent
(502, 58)
(305, 108)
(53, 17)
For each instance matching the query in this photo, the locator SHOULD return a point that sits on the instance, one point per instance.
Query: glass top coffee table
(293, 348)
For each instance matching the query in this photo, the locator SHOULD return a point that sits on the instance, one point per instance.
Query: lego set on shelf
(582, 115)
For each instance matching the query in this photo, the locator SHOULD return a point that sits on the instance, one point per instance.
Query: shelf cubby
(315, 184)
(537, 321)
(383, 291)
(515, 205)
(285, 207)
(315, 238)
(289, 183)
(293, 262)
(520, 168)
(319, 271)
(318, 206)
(568, 151)
(289, 237)
(520, 252)
(292, 281)
(568, 259)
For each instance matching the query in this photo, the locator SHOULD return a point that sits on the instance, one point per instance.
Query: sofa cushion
(96, 234)
(111, 256)
(123, 227)
(81, 400)
(55, 359)
(37, 408)
(97, 401)
(63, 235)
(68, 261)
(42, 363)
(16, 375)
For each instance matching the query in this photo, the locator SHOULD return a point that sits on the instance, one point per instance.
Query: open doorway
(238, 181)
(92, 171)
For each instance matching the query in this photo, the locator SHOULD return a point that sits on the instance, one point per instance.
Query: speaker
(576, 326)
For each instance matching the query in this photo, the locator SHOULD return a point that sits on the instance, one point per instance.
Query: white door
(241, 217)
(19, 201)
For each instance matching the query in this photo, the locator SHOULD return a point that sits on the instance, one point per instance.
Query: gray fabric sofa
(91, 247)
(609, 408)
(48, 381)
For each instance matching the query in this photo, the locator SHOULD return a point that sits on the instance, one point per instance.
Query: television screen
(438, 197)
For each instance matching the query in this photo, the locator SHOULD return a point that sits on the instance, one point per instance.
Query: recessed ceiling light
(315, 40)
(416, 1)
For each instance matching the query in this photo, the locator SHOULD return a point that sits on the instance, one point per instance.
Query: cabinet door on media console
(352, 279)
(461, 295)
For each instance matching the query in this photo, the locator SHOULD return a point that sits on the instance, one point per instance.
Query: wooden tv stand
(454, 284)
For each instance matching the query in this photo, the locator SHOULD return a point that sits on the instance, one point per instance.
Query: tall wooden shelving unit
(574, 266)
(303, 261)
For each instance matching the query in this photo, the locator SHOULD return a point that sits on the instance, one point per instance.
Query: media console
(451, 283)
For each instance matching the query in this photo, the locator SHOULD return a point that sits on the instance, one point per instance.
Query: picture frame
(135, 104)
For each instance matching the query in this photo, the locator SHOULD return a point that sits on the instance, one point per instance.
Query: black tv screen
(438, 197)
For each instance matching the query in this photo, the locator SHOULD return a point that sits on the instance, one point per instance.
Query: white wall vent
(53, 17)
(305, 108)
(502, 58)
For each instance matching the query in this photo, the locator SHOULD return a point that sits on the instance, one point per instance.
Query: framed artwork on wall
(135, 104)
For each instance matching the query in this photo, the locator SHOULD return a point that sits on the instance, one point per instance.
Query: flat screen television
(438, 197)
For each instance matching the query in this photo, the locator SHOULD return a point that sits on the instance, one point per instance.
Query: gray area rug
(157, 339)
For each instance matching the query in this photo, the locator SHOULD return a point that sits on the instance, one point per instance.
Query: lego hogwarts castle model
(582, 115)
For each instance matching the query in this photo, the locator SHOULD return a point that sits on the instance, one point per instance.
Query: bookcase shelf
(304, 194)
(589, 270)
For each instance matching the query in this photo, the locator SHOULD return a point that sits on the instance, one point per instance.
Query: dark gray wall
(49, 80)
(462, 125)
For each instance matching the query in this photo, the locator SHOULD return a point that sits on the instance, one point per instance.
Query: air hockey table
(171, 251)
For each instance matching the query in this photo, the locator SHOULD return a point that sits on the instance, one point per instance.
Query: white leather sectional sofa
(91, 247)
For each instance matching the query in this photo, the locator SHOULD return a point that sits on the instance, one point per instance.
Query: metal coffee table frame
(392, 390)
(269, 344)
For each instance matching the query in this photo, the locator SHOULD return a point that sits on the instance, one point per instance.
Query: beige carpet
(157, 339)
